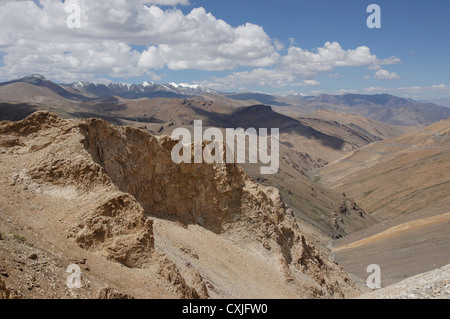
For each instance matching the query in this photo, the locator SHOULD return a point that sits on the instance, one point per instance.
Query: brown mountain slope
(77, 190)
(360, 123)
(397, 176)
(405, 182)
(29, 93)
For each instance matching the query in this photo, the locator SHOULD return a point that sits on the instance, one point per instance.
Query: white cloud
(278, 44)
(307, 64)
(151, 59)
(440, 87)
(303, 64)
(391, 60)
(411, 90)
(307, 83)
(374, 67)
(384, 75)
(169, 2)
(247, 79)
(375, 89)
(36, 39)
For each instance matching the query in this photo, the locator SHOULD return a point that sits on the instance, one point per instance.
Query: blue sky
(286, 47)
(418, 32)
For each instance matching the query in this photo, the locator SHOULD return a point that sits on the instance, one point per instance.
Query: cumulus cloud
(130, 38)
(384, 75)
(38, 38)
(303, 64)
(245, 79)
(308, 64)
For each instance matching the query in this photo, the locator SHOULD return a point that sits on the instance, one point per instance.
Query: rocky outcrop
(119, 229)
(346, 217)
(219, 197)
(124, 177)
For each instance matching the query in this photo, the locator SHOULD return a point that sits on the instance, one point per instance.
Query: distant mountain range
(136, 91)
(388, 108)
(441, 101)
(381, 107)
(90, 90)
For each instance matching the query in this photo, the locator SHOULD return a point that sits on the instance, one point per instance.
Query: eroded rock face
(141, 164)
(219, 197)
(126, 176)
(120, 228)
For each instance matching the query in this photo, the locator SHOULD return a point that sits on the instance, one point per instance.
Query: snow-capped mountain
(145, 89)
(86, 91)
(190, 88)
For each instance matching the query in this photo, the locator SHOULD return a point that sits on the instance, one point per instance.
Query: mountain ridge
(114, 188)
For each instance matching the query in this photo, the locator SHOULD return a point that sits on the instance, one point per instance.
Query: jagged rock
(168, 270)
(195, 280)
(118, 229)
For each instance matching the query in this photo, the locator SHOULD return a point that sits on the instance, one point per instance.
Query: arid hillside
(404, 182)
(110, 200)
(397, 176)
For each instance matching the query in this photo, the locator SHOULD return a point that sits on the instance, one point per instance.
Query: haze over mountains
(363, 179)
(382, 107)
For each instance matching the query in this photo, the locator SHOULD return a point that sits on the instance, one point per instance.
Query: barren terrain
(69, 196)
(93, 184)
